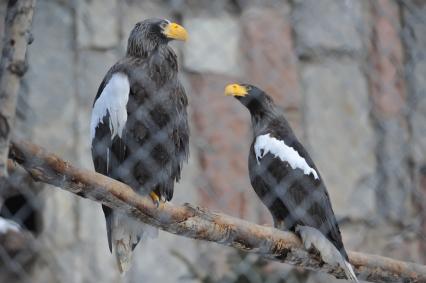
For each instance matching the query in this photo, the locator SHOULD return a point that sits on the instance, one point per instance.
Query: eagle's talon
(155, 198)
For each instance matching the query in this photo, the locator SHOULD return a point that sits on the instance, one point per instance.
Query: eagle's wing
(181, 134)
(107, 124)
(288, 172)
(175, 150)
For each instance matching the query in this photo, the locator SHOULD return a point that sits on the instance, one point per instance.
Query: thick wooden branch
(13, 65)
(201, 224)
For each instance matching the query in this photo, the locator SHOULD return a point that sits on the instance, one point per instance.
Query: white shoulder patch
(266, 143)
(8, 225)
(113, 100)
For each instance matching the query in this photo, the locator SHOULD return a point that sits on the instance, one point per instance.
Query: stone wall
(348, 74)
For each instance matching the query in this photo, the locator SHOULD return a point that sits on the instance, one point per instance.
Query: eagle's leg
(280, 225)
(155, 198)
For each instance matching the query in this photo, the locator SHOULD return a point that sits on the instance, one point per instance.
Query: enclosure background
(349, 74)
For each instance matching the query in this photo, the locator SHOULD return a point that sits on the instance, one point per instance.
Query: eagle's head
(250, 96)
(149, 34)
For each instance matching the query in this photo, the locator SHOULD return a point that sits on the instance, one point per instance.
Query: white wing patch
(266, 143)
(8, 225)
(113, 100)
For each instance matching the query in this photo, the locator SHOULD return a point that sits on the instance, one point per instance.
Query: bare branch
(201, 224)
(13, 66)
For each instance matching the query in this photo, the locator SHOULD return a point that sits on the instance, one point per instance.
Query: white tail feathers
(126, 232)
(350, 274)
(329, 253)
(123, 255)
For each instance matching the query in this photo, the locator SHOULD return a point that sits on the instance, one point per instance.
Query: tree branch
(13, 66)
(202, 224)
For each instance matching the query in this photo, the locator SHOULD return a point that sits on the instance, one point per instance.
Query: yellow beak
(235, 90)
(175, 31)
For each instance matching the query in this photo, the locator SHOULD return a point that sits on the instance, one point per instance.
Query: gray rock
(147, 257)
(414, 35)
(136, 11)
(50, 79)
(328, 25)
(394, 187)
(94, 258)
(202, 8)
(418, 117)
(3, 7)
(212, 45)
(340, 135)
(389, 104)
(277, 4)
(97, 23)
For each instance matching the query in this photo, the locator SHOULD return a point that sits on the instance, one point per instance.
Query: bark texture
(13, 66)
(201, 224)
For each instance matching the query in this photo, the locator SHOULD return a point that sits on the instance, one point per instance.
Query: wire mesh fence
(348, 76)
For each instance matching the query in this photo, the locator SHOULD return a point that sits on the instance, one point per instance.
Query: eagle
(286, 179)
(139, 128)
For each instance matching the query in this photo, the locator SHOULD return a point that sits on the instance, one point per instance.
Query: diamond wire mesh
(22, 200)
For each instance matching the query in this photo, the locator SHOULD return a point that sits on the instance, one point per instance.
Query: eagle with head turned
(287, 181)
(139, 128)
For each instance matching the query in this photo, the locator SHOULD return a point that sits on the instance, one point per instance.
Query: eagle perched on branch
(139, 127)
(287, 181)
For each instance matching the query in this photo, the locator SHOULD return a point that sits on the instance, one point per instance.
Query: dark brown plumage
(139, 122)
(286, 179)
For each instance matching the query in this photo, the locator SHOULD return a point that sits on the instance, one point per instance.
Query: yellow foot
(155, 198)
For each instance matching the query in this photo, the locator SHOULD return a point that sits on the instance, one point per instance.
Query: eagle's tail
(312, 237)
(126, 233)
(350, 274)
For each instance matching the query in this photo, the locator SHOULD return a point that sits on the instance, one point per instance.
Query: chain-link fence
(348, 75)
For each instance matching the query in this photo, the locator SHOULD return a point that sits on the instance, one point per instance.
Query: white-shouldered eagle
(139, 127)
(287, 181)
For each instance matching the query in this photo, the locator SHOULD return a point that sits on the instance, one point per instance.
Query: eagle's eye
(248, 88)
(163, 24)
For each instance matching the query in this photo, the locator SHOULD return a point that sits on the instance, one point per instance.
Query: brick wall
(349, 76)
